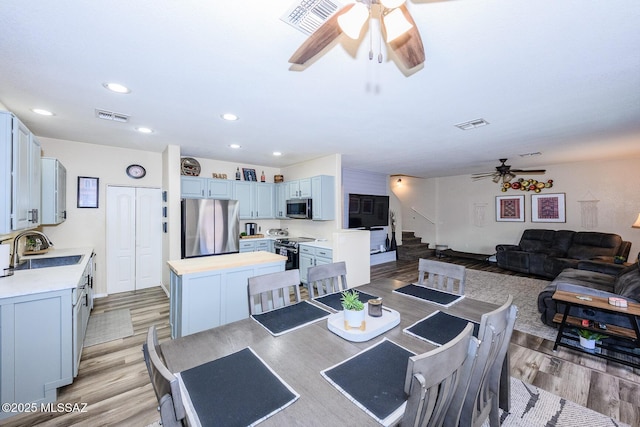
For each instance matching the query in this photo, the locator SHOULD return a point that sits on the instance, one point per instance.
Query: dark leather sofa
(625, 283)
(547, 252)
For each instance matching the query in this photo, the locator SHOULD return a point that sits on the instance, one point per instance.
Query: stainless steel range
(288, 246)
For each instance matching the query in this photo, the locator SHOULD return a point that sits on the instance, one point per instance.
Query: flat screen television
(366, 211)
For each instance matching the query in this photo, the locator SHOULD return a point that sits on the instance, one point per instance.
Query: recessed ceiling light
(117, 87)
(144, 130)
(230, 117)
(234, 146)
(42, 112)
(277, 153)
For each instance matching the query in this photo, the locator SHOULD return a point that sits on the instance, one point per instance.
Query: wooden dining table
(299, 356)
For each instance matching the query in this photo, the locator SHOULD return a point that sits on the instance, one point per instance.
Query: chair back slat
(481, 400)
(327, 279)
(165, 384)
(435, 377)
(443, 276)
(274, 290)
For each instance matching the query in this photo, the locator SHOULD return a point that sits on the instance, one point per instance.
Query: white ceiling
(560, 77)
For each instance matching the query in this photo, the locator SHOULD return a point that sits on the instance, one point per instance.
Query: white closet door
(148, 237)
(134, 252)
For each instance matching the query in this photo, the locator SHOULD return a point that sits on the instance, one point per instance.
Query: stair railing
(422, 215)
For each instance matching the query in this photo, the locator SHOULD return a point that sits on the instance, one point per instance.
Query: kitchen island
(211, 291)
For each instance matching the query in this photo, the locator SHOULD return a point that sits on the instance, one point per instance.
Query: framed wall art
(548, 208)
(510, 208)
(249, 174)
(87, 192)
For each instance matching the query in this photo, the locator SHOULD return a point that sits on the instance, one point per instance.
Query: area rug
(495, 287)
(534, 407)
(108, 326)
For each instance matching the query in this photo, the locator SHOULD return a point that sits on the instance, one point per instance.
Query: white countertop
(324, 244)
(221, 262)
(48, 279)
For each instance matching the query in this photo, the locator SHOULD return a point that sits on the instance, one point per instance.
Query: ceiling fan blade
(409, 46)
(532, 171)
(319, 39)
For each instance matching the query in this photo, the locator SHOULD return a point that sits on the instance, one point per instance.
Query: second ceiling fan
(399, 28)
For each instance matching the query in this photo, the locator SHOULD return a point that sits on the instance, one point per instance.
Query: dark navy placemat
(439, 328)
(333, 300)
(236, 390)
(374, 379)
(286, 319)
(429, 294)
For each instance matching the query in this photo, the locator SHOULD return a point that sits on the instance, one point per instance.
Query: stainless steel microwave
(299, 209)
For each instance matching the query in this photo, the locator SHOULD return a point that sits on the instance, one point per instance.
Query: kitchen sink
(49, 262)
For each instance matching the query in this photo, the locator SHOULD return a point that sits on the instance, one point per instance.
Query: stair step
(412, 247)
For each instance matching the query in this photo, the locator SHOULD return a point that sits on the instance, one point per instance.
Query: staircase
(412, 248)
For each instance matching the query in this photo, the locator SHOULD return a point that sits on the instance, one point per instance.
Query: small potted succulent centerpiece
(353, 310)
(619, 259)
(588, 338)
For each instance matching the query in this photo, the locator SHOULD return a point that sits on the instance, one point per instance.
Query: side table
(613, 353)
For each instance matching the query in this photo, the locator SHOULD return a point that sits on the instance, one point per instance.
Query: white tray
(374, 326)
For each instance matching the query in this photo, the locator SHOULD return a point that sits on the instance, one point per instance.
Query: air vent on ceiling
(308, 15)
(472, 124)
(110, 115)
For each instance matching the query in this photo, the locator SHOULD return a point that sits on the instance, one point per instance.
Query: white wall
(453, 201)
(86, 227)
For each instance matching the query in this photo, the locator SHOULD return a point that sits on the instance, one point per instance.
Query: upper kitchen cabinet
(300, 189)
(322, 204)
(281, 196)
(256, 199)
(20, 169)
(219, 189)
(54, 191)
(193, 187)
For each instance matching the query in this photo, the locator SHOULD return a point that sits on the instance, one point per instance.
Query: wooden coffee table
(613, 353)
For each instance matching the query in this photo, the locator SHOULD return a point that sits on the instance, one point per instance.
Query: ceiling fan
(400, 30)
(505, 173)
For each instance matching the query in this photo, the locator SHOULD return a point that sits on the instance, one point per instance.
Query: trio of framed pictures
(544, 208)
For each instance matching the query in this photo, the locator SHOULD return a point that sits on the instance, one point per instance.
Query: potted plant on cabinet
(588, 338)
(353, 310)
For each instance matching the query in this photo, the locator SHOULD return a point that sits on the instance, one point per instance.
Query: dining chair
(165, 384)
(270, 291)
(433, 378)
(442, 276)
(481, 399)
(327, 278)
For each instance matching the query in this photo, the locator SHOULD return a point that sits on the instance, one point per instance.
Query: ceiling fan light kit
(395, 24)
(351, 23)
(400, 31)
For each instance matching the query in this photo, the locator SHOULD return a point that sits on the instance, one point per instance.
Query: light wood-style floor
(113, 380)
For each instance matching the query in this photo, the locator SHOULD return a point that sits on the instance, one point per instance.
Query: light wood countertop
(222, 262)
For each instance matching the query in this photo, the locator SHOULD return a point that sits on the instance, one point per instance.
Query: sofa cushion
(536, 240)
(586, 278)
(589, 245)
(627, 285)
(562, 240)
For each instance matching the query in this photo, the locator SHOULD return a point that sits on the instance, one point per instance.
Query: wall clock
(136, 171)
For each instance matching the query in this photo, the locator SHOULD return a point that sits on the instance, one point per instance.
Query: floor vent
(110, 115)
(472, 124)
(308, 15)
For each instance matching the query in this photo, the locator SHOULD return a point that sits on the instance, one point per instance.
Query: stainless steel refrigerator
(209, 227)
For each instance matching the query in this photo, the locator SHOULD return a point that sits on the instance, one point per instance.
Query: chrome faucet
(15, 258)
